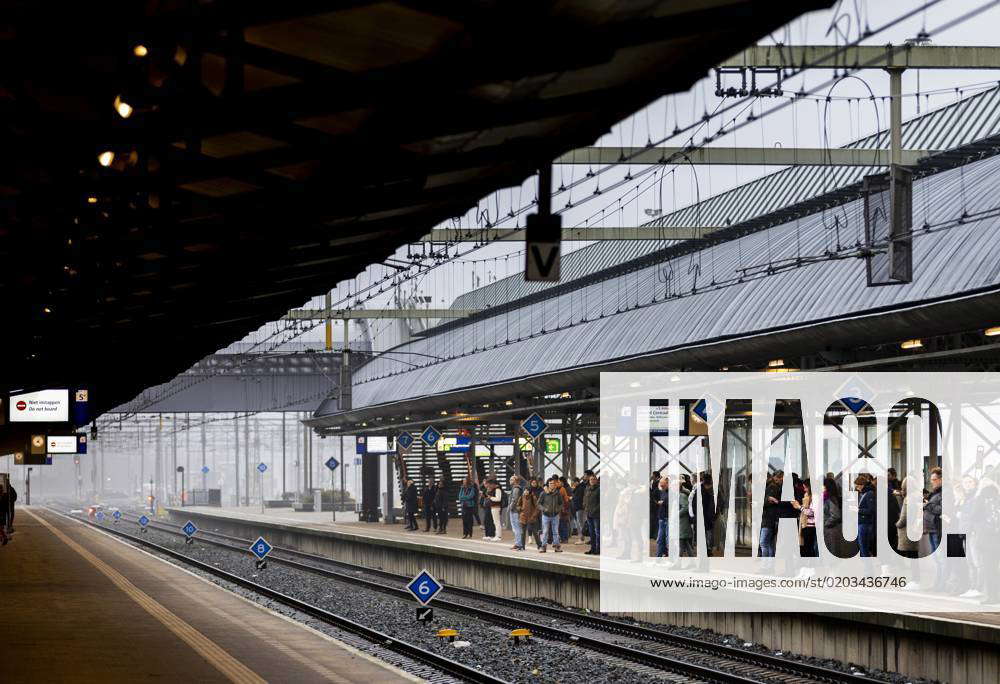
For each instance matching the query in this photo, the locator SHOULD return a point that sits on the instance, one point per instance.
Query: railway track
(649, 647)
(427, 665)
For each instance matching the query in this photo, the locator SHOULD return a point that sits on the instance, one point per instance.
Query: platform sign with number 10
(424, 587)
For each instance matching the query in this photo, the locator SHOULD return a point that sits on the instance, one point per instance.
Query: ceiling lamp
(775, 363)
(912, 344)
(123, 108)
(508, 403)
(140, 50)
(993, 332)
(91, 200)
(106, 158)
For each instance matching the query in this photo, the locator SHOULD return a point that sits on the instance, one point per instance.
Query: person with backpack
(576, 508)
(467, 504)
(529, 513)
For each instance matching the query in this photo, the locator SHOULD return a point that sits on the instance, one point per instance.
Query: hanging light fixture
(106, 158)
(123, 108)
(140, 50)
(775, 363)
(911, 344)
(993, 332)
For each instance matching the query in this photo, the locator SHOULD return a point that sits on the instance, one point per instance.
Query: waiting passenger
(932, 529)
(514, 512)
(867, 516)
(685, 532)
(592, 504)
(410, 504)
(441, 506)
(494, 498)
(530, 513)
(428, 496)
(662, 517)
(4, 510)
(467, 503)
(576, 508)
(551, 502)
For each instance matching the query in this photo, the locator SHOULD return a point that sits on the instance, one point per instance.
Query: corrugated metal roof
(954, 125)
(632, 314)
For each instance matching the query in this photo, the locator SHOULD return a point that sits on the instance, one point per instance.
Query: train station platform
(923, 642)
(81, 606)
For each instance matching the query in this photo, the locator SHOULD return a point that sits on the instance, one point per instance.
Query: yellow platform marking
(229, 666)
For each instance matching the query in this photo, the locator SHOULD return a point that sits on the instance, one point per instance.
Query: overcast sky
(806, 123)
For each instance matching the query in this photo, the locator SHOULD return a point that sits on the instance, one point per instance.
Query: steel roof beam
(867, 56)
(344, 314)
(577, 234)
(740, 156)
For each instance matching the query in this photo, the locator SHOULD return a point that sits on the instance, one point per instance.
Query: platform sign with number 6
(424, 587)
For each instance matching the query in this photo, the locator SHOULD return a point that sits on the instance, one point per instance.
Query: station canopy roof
(177, 173)
(791, 286)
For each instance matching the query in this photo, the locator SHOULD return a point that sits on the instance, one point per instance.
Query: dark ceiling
(276, 148)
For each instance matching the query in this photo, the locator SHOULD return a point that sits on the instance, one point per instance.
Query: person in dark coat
(428, 496)
(411, 501)
(441, 506)
(702, 509)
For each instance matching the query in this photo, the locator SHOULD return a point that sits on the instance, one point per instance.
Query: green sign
(552, 445)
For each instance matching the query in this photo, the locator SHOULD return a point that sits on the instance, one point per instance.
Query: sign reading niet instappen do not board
(44, 406)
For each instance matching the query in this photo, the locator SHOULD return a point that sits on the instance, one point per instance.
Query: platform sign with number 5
(424, 587)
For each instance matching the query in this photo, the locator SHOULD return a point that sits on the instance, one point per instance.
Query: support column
(896, 114)
(284, 485)
(204, 482)
(246, 460)
(236, 457)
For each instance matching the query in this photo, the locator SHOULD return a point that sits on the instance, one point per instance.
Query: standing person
(410, 504)
(702, 509)
(428, 500)
(564, 515)
(906, 547)
(529, 514)
(494, 497)
(662, 517)
(808, 548)
(4, 510)
(832, 515)
(770, 515)
(867, 511)
(932, 528)
(892, 480)
(514, 511)
(576, 506)
(467, 496)
(441, 506)
(685, 531)
(592, 504)
(551, 502)
(12, 499)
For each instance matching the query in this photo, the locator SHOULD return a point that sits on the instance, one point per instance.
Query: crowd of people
(548, 512)
(977, 512)
(8, 497)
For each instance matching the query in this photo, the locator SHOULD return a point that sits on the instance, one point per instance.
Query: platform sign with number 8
(424, 587)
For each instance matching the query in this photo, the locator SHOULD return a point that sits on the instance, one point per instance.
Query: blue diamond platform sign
(100, 516)
(430, 436)
(405, 441)
(332, 463)
(853, 403)
(143, 520)
(260, 548)
(117, 515)
(189, 529)
(534, 425)
(424, 587)
(204, 470)
(261, 467)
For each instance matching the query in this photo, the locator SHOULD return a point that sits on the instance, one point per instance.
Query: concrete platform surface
(81, 606)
